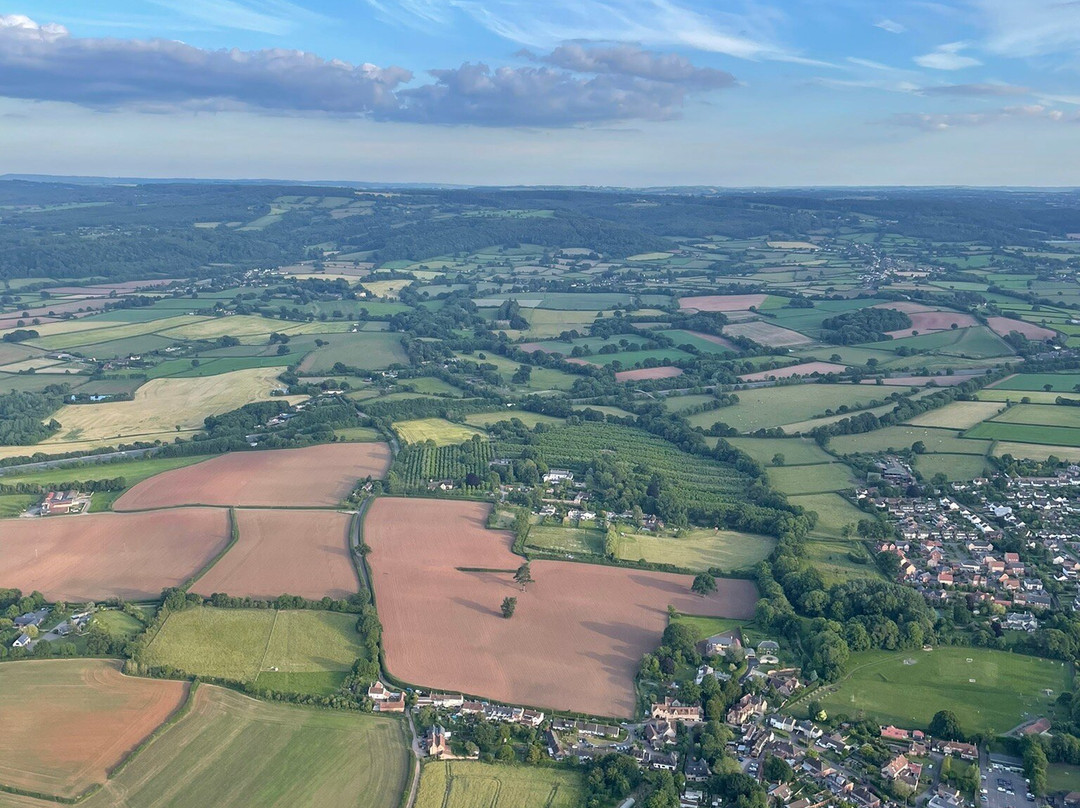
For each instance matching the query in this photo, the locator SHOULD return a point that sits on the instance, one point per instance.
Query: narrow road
(416, 761)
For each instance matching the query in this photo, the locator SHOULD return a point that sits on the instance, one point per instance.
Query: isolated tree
(778, 459)
(704, 584)
(523, 575)
(509, 605)
(776, 770)
(946, 726)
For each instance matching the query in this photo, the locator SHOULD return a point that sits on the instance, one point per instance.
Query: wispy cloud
(988, 90)
(274, 17)
(744, 30)
(577, 85)
(1025, 28)
(947, 57)
(892, 26)
(951, 120)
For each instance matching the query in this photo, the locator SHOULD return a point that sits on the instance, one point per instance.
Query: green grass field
(900, 438)
(471, 784)
(231, 751)
(367, 350)
(833, 512)
(358, 434)
(530, 419)
(245, 644)
(133, 471)
(774, 406)
(575, 540)
(992, 693)
(816, 479)
(1041, 414)
(1059, 382)
(1026, 433)
(698, 549)
(832, 558)
(796, 451)
(439, 430)
(955, 467)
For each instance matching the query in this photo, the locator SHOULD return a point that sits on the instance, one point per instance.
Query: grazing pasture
(232, 751)
(472, 784)
(367, 350)
(955, 467)
(901, 438)
(958, 415)
(442, 626)
(990, 691)
(796, 451)
(67, 722)
(530, 419)
(303, 553)
(1026, 433)
(814, 479)
(698, 549)
(257, 645)
(1057, 382)
(775, 406)
(312, 476)
(101, 555)
(438, 430)
(833, 512)
(1030, 451)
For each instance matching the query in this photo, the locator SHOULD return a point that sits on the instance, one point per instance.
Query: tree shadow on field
(478, 607)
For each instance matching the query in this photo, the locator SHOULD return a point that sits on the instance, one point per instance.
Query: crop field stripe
(269, 638)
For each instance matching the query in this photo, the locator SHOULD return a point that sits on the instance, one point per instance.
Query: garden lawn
(992, 693)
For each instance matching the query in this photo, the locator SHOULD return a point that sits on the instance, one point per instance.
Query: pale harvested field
(805, 369)
(314, 476)
(100, 555)
(792, 245)
(161, 405)
(713, 338)
(647, 373)
(1003, 325)
(302, 553)
(1031, 451)
(927, 322)
(575, 641)
(959, 414)
(922, 381)
(721, 302)
(67, 722)
(767, 334)
(64, 446)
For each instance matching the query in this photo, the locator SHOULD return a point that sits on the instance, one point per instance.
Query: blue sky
(591, 92)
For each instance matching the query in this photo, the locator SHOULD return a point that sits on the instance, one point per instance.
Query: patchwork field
(721, 302)
(589, 624)
(1026, 433)
(472, 784)
(698, 549)
(990, 691)
(1002, 326)
(438, 430)
(901, 438)
(1031, 451)
(97, 556)
(643, 374)
(803, 369)
(768, 334)
(365, 350)
(232, 751)
(162, 405)
(313, 476)
(1040, 414)
(303, 553)
(1048, 382)
(795, 451)
(259, 645)
(68, 722)
(775, 406)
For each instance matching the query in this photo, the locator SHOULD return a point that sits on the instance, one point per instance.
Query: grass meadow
(698, 549)
(438, 430)
(472, 784)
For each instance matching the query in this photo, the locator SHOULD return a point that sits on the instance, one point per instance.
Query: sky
(625, 93)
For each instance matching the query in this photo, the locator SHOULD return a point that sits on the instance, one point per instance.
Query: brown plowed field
(647, 373)
(67, 722)
(927, 322)
(302, 553)
(575, 641)
(1003, 325)
(315, 476)
(721, 302)
(805, 369)
(100, 555)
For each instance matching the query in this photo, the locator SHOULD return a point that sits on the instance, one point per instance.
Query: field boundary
(234, 537)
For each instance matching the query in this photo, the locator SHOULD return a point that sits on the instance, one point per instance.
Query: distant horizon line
(89, 179)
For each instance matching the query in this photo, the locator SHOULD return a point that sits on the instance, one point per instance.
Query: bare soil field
(927, 322)
(767, 334)
(647, 373)
(302, 553)
(102, 555)
(1003, 325)
(721, 302)
(67, 722)
(805, 369)
(314, 476)
(575, 641)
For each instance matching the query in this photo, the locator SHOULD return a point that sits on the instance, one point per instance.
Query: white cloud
(952, 120)
(274, 17)
(947, 57)
(892, 26)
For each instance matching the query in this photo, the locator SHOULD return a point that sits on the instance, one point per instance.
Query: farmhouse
(721, 643)
(436, 742)
(672, 710)
(395, 703)
(31, 618)
(57, 502)
(21, 641)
